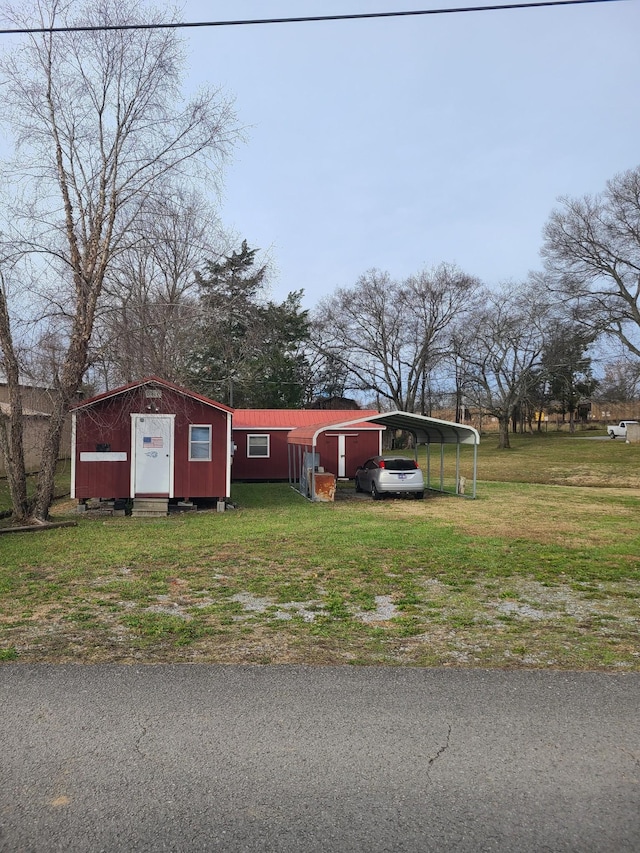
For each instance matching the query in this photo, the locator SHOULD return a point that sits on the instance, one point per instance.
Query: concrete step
(150, 507)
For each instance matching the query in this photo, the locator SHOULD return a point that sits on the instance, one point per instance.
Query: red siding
(108, 421)
(201, 479)
(359, 447)
(103, 424)
(275, 467)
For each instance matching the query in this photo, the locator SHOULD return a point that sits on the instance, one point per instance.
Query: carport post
(428, 464)
(441, 467)
(457, 465)
(475, 466)
(312, 496)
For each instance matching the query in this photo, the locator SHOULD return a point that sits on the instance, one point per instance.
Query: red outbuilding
(151, 440)
(261, 442)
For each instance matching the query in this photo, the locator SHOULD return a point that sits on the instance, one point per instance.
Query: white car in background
(390, 475)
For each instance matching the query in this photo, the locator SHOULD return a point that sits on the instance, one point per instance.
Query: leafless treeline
(104, 224)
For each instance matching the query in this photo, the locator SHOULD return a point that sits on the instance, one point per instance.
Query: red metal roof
(289, 419)
(308, 434)
(150, 380)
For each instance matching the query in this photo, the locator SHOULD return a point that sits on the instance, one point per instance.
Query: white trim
(472, 436)
(149, 382)
(210, 442)
(266, 455)
(110, 456)
(172, 464)
(132, 469)
(270, 428)
(230, 453)
(73, 455)
(342, 454)
(132, 464)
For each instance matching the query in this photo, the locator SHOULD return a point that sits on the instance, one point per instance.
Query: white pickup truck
(619, 430)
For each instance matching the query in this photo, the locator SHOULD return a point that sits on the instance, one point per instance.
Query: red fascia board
(150, 380)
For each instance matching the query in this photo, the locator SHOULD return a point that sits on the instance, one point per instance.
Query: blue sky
(401, 143)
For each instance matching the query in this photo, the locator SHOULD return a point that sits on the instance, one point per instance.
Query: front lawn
(527, 575)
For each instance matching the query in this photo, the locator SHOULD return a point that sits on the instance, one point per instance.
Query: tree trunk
(503, 436)
(45, 492)
(74, 368)
(11, 450)
(12, 424)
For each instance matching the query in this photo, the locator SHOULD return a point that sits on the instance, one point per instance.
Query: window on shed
(258, 446)
(200, 443)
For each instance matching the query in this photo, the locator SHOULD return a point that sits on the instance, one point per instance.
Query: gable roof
(426, 430)
(151, 381)
(290, 419)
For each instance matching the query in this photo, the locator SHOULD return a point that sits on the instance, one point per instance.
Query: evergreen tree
(567, 369)
(249, 352)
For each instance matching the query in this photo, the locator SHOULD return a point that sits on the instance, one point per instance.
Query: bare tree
(149, 314)
(389, 336)
(621, 380)
(502, 350)
(592, 254)
(100, 128)
(11, 420)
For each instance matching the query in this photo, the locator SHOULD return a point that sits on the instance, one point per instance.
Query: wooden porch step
(150, 507)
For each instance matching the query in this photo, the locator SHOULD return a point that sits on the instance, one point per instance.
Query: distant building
(37, 405)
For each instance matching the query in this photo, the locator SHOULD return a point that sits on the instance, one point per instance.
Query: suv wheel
(375, 494)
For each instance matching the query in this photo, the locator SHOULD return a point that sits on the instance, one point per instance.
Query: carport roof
(426, 430)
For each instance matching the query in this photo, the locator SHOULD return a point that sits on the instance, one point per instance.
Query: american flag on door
(152, 441)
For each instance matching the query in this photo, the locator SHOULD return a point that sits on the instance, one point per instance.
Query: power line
(301, 20)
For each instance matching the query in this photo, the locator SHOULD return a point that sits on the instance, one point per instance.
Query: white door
(342, 450)
(342, 455)
(153, 455)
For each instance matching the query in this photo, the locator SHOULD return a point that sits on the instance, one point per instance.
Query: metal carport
(427, 431)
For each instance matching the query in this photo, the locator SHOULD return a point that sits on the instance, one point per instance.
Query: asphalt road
(208, 758)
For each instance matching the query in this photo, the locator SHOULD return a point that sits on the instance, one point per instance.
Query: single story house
(261, 447)
(151, 441)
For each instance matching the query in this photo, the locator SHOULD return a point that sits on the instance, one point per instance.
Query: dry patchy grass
(527, 575)
(547, 516)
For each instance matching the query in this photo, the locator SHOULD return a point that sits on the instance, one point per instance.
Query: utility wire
(301, 20)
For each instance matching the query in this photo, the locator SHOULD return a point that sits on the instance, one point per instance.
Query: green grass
(552, 458)
(530, 574)
(557, 458)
